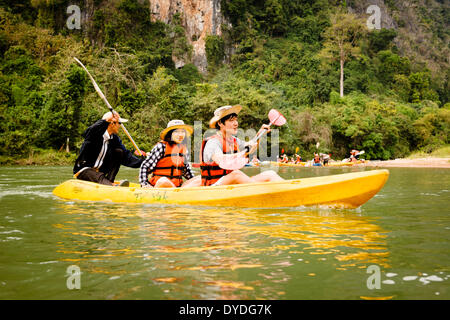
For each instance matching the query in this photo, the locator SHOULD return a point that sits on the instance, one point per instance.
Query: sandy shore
(429, 162)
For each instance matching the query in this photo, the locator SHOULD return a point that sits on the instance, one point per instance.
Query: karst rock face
(199, 19)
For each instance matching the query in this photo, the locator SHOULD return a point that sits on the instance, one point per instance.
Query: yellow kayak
(343, 164)
(349, 190)
(288, 164)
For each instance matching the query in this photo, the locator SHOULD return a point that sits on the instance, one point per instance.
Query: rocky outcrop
(415, 38)
(362, 8)
(198, 17)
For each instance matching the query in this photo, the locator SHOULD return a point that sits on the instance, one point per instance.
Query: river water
(396, 246)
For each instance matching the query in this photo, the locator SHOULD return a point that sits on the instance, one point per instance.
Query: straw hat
(109, 114)
(176, 124)
(223, 112)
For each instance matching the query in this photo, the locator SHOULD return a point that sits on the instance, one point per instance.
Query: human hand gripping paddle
(239, 160)
(100, 93)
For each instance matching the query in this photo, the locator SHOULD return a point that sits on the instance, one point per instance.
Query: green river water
(130, 251)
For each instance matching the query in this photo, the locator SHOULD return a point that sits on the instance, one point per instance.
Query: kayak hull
(288, 164)
(349, 190)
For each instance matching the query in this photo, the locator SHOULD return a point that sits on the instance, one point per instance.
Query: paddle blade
(276, 117)
(232, 163)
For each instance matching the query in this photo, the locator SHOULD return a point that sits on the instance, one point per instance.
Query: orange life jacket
(210, 171)
(170, 165)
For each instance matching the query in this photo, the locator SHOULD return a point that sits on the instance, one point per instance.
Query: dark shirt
(96, 150)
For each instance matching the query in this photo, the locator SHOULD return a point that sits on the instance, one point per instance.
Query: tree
(390, 65)
(275, 18)
(380, 40)
(420, 87)
(60, 116)
(215, 50)
(341, 40)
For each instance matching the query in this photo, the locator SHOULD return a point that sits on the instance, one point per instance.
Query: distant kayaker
(168, 161)
(222, 145)
(355, 154)
(102, 152)
(326, 158)
(316, 160)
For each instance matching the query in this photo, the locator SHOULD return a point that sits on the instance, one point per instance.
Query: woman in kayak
(221, 145)
(316, 160)
(168, 161)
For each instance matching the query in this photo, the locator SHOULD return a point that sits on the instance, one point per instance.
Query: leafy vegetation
(283, 56)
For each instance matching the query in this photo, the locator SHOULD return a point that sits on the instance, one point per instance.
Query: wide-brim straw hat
(176, 124)
(109, 114)
(221, 112)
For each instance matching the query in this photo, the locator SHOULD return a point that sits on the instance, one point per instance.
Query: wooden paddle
(100, 93)
(239, 160)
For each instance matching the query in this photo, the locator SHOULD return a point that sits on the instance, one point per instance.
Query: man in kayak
(326, 158)
(354, 155)
(222, 145)
(168, 161)
(102, 152)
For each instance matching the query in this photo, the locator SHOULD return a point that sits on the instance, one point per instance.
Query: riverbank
(437, 159)
(426, 162)
(40, 158)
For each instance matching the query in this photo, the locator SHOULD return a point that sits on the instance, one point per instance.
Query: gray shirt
(214, 146)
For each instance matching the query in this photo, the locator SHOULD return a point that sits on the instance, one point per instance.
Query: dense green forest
(280, 54)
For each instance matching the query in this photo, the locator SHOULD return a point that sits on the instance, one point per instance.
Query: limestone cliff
(199, 18)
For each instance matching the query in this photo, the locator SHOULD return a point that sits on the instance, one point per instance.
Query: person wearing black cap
(102, 152)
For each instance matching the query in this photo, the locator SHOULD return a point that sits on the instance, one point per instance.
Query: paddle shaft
(258, 136)
(102, 96)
